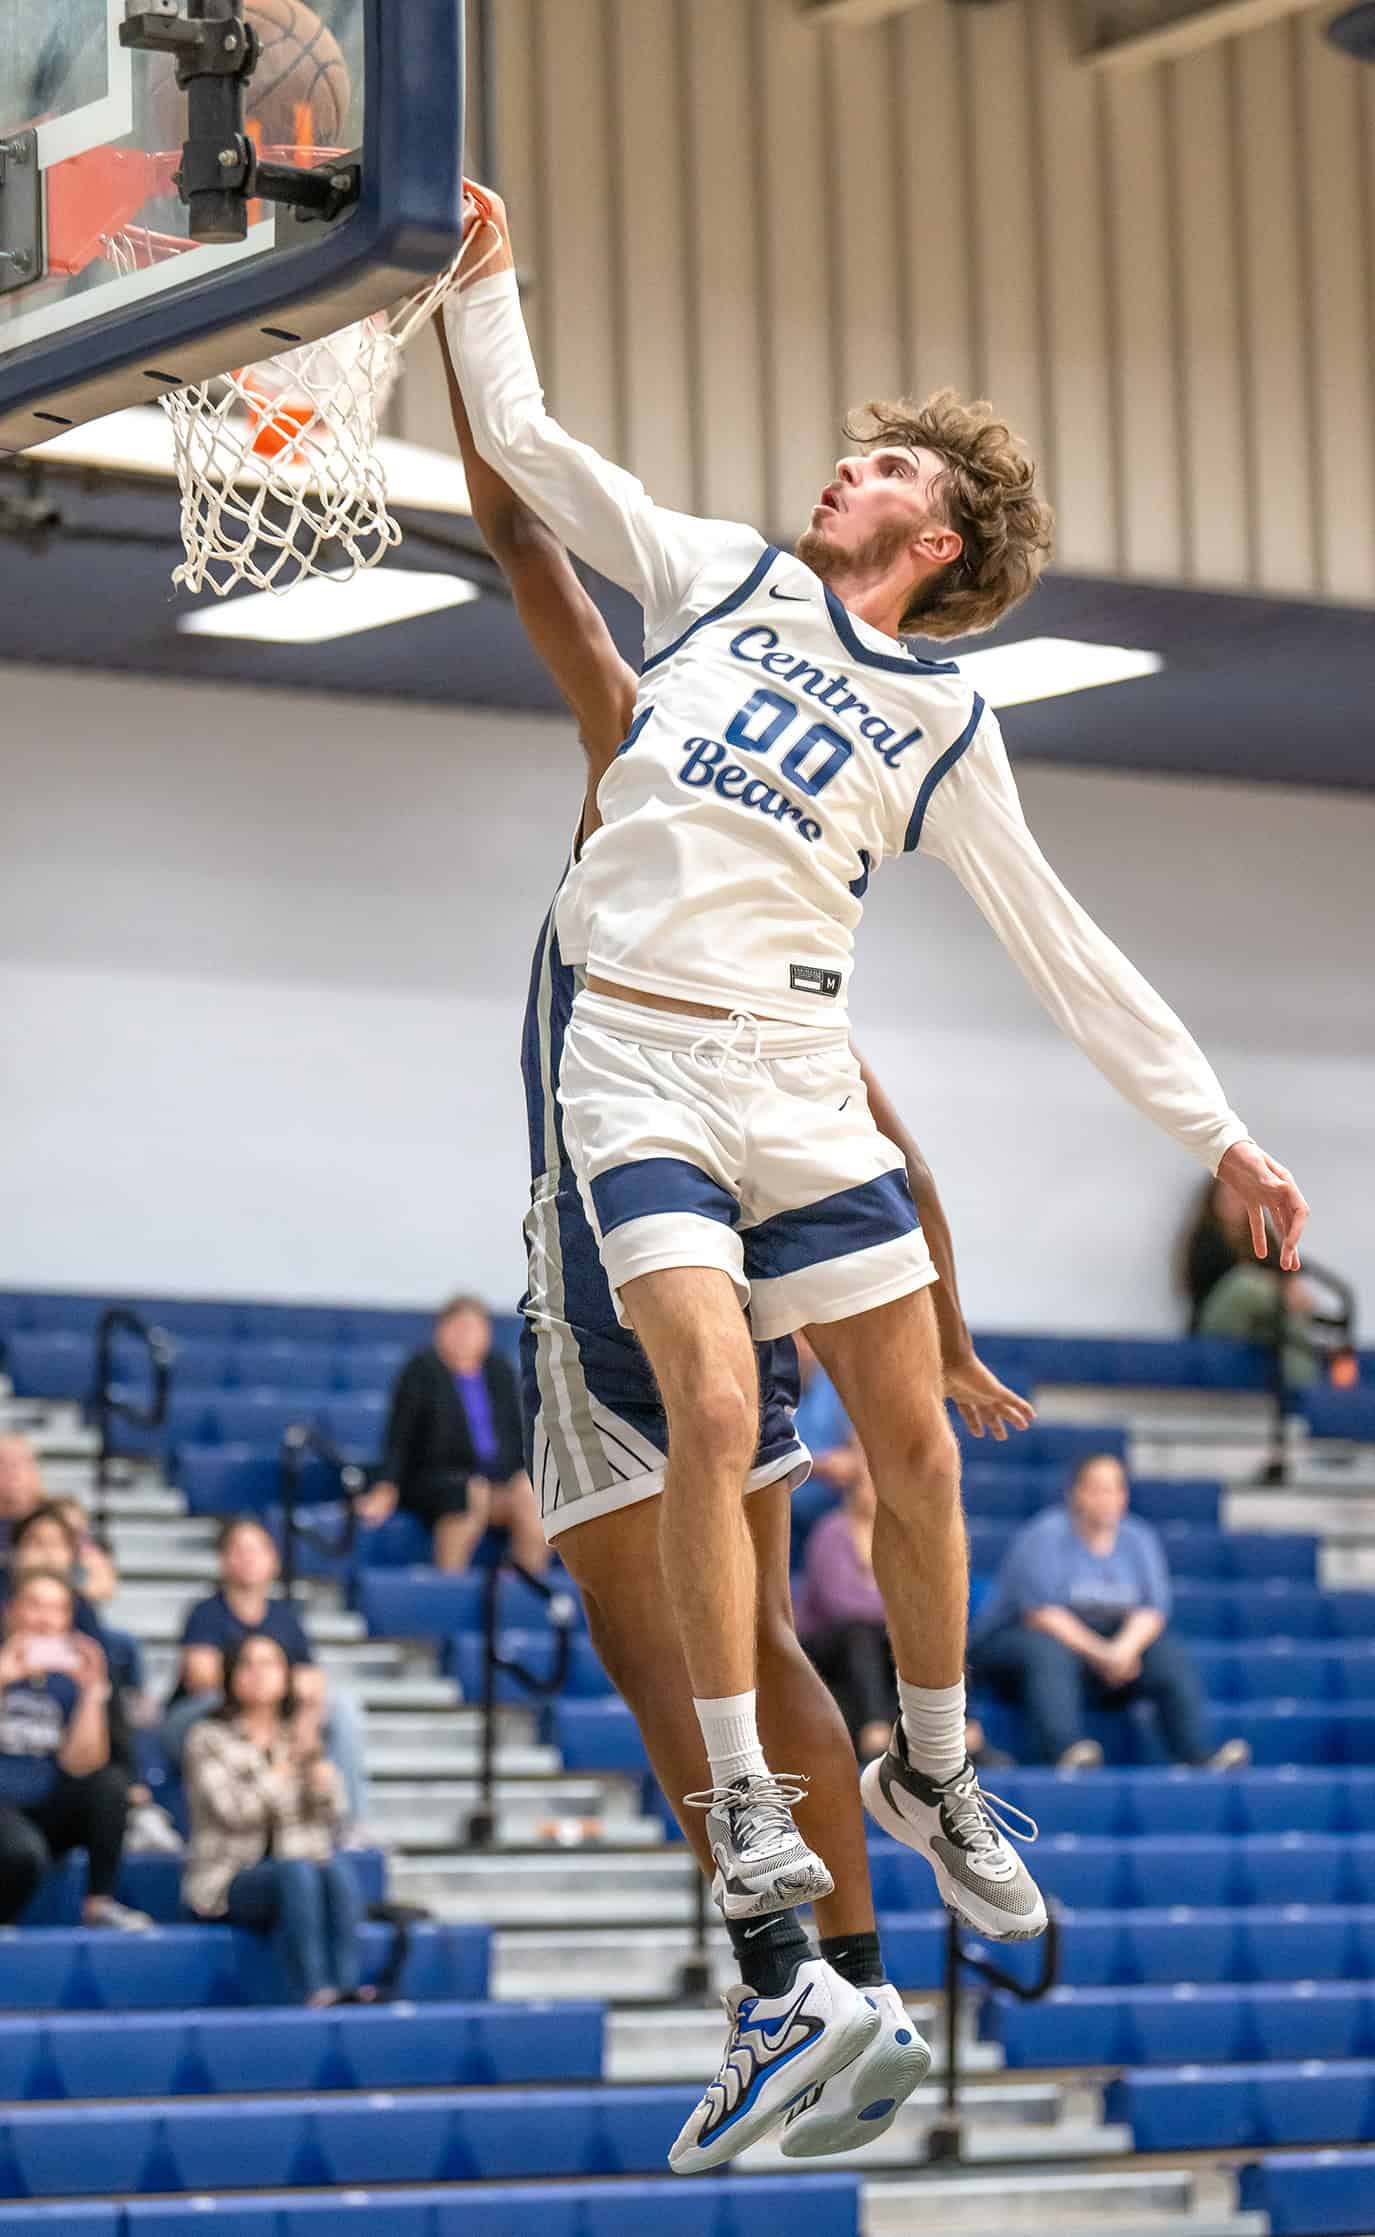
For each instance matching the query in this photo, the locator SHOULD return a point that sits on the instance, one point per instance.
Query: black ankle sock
(768, 1951)
(856, 1957)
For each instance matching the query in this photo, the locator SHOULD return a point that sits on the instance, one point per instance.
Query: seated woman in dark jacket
(455, 1450)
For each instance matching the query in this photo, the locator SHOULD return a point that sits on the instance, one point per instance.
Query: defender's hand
(1265, 1186)
(984, 1402)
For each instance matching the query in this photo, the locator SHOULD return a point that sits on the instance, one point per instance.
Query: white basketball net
(278, 466)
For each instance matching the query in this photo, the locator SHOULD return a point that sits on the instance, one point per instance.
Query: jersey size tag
(809, 978)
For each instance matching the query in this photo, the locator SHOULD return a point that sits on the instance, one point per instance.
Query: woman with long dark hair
(267, 1806)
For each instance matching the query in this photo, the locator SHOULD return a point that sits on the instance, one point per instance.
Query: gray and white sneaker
(962, 1833)
(762, 1862)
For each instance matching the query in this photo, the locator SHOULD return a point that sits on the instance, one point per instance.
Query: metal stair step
(1127, 2202)
(671, 2044)
(452, 1755)
(635, 1967)
(558, 1886)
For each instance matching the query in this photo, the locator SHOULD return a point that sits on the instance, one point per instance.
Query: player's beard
(881, 553)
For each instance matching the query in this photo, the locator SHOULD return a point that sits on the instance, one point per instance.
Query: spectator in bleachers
(21, 1486)
(1078, 1618)
(1233, 1293)
(267, 1807)
(60, 1788)
(246, 1606)
(46, 1539)
(455, 1449)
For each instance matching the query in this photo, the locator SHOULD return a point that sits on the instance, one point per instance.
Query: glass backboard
(105, 299)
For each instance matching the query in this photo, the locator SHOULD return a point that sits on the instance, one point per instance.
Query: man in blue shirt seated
(455, 1447)
(59, 1789)
(1078, 1618)
(246, 1603)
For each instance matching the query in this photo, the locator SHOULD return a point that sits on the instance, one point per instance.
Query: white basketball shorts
(746, 1145)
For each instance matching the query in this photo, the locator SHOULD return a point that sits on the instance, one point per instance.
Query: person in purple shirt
(455, 1448)
(1078, 1618)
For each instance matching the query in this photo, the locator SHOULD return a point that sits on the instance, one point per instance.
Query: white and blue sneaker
(865, 2098)
(778, 2048)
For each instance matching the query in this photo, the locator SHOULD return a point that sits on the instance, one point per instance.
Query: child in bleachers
(267, 1807)
(60, 1788)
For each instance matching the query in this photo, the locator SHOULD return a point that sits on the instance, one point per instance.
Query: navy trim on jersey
(860, 886)
(854, 1219)
(746, 590)
(659, 1184)
(937, 770)
(634, 731)
(898, 663)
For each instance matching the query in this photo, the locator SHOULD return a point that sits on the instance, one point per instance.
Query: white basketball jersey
(781, 751)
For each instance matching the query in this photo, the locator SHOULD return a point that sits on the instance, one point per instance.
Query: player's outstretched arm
(975, 824)
(601, 512)
(561, 621)
(984, 1401)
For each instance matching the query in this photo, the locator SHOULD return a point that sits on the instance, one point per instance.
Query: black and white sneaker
(777, 2048)
(762, 1862)
(962, 1833)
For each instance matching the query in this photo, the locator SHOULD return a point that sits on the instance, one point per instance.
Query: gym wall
(263, 960)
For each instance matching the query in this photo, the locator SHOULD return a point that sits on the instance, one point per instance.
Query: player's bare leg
(694, 1335)
(886, 1366)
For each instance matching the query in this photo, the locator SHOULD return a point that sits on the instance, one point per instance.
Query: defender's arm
(561, 621)
(984, 1401)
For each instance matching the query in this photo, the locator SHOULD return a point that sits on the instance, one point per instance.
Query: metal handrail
(563, 1613)
(946, 2139)
(302, 1441)
(108, 1406)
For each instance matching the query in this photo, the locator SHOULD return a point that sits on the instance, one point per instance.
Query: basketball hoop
(277, 462)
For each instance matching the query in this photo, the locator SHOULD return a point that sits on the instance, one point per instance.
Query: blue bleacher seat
(261, 1417)
(1348, 1414)
(287, 1366)
(597, 1736)
(1189, 1499)
(1180, 2109)
(357, 1421)
(1186, 2024)
(53, 1365)
(177, 1968)
(825, 2205)
(401, 1542)
(74, 2218)
(128, 2055)
(370, 1367)
(587, 1687)
(226, 1479)
(1312, 2194)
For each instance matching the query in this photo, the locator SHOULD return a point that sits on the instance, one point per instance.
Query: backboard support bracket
(21, 212)
(216, 53)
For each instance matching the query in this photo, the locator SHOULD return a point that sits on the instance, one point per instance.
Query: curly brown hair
(988, 493)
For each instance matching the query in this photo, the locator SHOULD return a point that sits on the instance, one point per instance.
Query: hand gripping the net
(277, 463)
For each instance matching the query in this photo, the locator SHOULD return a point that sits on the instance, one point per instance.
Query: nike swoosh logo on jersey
(791, 597)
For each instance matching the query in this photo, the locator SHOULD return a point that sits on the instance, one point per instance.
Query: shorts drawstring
(717, 1050)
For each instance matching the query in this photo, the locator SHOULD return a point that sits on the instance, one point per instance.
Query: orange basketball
(298, 97)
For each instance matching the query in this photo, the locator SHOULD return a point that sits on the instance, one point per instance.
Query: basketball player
(599, 1436)
(785, 741)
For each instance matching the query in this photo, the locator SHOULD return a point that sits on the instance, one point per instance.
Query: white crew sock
(732, 1737)
(933, 1717)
